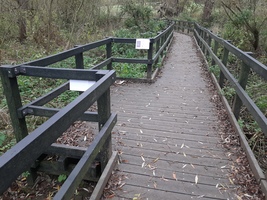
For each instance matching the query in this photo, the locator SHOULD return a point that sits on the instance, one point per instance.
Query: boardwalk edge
(256, 169)
(97, 193)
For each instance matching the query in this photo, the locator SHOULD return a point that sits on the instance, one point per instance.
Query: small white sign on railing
(142, 43)
(81, 85)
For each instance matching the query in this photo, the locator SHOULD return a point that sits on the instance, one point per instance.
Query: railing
(29, 152)
(218, 52)
(157, 46)
(31, 149)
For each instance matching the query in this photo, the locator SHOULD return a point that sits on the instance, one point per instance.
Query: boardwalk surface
(166, 136)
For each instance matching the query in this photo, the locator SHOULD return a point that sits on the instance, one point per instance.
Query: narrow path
(166, 134)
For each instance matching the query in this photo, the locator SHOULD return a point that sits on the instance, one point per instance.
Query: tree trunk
(207, 11)
(23, 5)
(256, 36)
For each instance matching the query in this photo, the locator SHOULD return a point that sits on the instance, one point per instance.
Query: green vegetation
(61, 178)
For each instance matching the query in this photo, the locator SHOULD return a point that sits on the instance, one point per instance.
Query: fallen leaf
(196, 179)
(154, 161)
(155, 184)
(184, 165)
(143, 164)
(184, 154)
(182, 146)
(141, 131)
(143, 158)
(192, 166)
(154, 173)
(121, 185)
(174, 176)
(238, 197)
(111, 196)
(164, 179)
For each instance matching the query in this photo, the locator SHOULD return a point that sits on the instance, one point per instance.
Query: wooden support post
(79, 61)
(109, 54)
(195, 34)
(224, 61)
(209, 44)
(104, 112)
(215, 51)
(150, 58)
(243, 79)
(189, 24)
(11, 91)
(202, 35)
(157, 49)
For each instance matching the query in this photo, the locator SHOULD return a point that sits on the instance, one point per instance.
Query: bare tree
(248, 16)
(207, 11)
(23, 5)
(171, 8)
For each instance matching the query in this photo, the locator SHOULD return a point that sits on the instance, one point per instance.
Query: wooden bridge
(167, 133)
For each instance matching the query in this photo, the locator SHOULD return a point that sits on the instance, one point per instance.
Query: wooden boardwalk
(166, 133)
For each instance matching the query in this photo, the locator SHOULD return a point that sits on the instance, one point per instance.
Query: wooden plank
(177, 187)
(203, 136)
(202, 166)
(174, 148)
(131, 191)
(199, 129)
(167, 175)
(158, 116)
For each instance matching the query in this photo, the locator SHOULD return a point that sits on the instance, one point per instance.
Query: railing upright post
(215, 51)
(243, 79)
(104, 112)
(188, 27)
(195, 31)
(224, 61)
(79, 60)
(157, 49)
(11, 90)
(109, 54)
(150, 59)
(182, 26)
(209, 44)
(202, 35)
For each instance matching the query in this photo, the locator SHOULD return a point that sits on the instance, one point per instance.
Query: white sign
(80, 85)
(142, 43)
